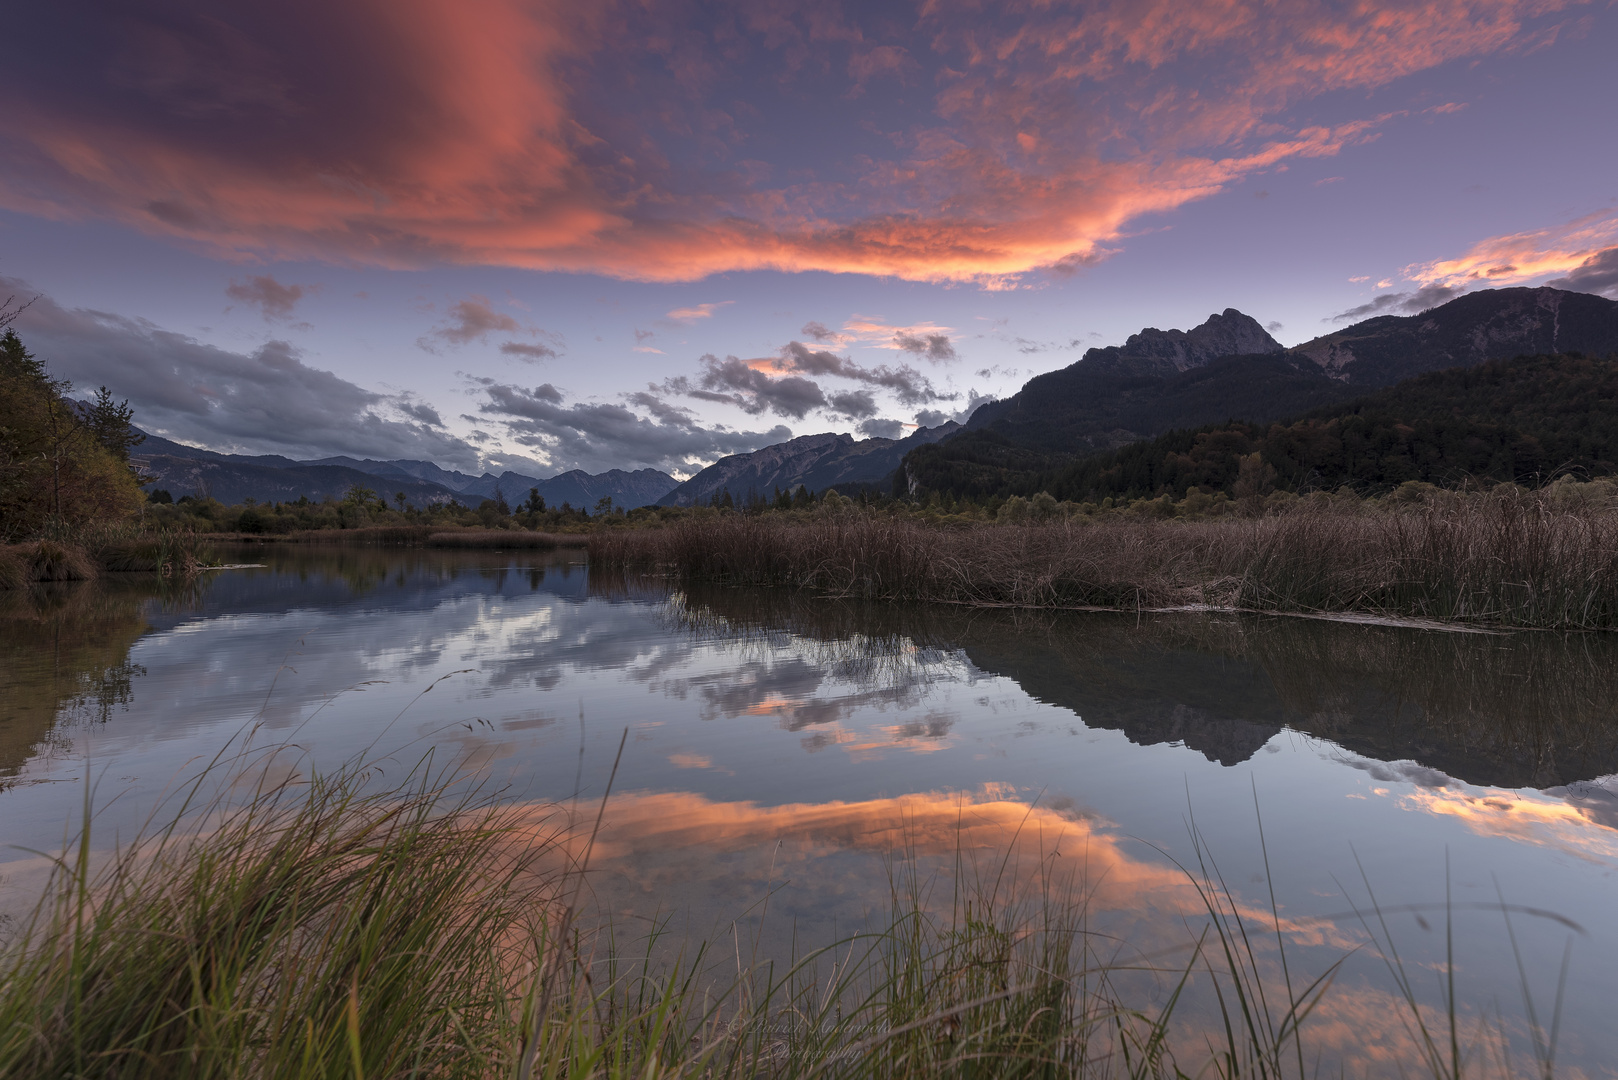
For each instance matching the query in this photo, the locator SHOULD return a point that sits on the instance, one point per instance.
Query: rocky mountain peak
(1160, 352)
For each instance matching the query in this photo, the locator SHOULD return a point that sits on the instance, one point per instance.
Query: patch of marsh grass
(337, 925)
(1514, 558)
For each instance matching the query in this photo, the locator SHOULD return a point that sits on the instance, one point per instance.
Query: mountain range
(1162, 381)
(1157, 382)
(231, 478)
(817, 462)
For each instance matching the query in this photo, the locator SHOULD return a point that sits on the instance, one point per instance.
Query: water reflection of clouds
(1579, 819)
(1584, 827)
(829, 870)
(813, 683)
(1400, 772)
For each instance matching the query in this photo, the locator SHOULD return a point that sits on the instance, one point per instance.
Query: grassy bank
(129, 549)
(327, 928)
(1514, 559)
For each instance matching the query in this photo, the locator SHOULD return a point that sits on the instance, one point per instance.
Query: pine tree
(54, 471)
(111, 424)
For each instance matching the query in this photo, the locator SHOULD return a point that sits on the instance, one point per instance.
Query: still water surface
(806, 748)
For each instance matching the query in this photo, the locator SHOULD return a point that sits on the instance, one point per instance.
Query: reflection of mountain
(64, 652)
(1529, 710)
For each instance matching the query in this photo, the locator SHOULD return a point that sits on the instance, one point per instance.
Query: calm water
(809, 747)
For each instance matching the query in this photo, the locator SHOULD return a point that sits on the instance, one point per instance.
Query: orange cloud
(613, 139)
(1520, 257)
(1524, 818)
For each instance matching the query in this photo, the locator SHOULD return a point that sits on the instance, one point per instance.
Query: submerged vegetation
(342, 925)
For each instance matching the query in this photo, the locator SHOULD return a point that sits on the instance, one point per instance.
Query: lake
(810, 750)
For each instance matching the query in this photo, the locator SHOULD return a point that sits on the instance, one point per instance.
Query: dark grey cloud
(931, 346)
(266, 400)
(881, 429)
(1273, 326)
(524, 351)
(910, 386)
(855, 404)
(735, 381)
(274, 300)
(1403, 303)
(422, 412)
(597, 436)
(818, 331)
(1597, 274)
(934, 417)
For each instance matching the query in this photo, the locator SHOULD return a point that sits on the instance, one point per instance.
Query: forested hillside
(1121, 395)
(1525, 420)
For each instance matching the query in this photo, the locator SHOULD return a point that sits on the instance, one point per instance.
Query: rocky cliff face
(1164, 352)
(816, 462)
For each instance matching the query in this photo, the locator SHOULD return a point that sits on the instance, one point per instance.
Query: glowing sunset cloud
(1521, 257)
(950, 144)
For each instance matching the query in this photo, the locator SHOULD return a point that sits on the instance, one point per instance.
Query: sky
(542, 235)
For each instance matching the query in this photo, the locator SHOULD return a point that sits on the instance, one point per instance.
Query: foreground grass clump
(324, 928)
(1512, 559)
(314, 931)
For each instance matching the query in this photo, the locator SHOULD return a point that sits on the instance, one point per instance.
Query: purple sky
(513, 235)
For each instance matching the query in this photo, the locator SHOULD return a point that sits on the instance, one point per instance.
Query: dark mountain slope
(235, 481)
(1059, 417)
(1523, 420)
(1487, 325)
(1117, 396)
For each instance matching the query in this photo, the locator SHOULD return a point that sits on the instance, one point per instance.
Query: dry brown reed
(13, 574)
(44, 560)
(1510, 559)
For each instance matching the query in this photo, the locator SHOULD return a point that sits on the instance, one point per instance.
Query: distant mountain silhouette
(1493, 324)
(816, 462)
(1161, 381)
(231, 478)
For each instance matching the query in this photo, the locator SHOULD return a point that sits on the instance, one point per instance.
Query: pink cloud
(1520, 257)
(607, 139)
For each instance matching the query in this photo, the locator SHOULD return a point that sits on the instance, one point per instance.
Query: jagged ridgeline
(1169, 410)
(813, 462)
(189, 470)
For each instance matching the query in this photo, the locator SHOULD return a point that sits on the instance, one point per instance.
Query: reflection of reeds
(1511, 560)
(506, 539)
(325, 926)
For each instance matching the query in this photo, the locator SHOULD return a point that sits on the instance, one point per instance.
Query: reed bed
(331, 925)
(44, 560)
(406, 535)
(1511, 560)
